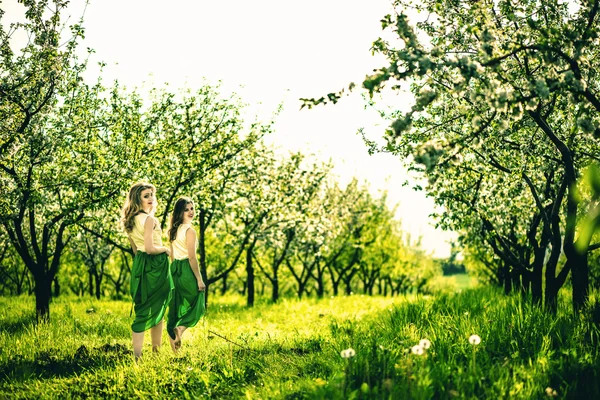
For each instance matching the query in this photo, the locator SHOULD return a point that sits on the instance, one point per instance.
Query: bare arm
(171, 256)
(148, 244)
(190, 239)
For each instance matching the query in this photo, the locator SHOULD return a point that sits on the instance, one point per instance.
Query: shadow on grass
(298, 348)
(17, 326)
(49, 364)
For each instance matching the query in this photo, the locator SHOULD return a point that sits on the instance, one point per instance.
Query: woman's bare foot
(172, 342)
(177, 341)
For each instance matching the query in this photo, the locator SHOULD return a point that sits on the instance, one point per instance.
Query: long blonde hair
(177, 216)
(133, 204)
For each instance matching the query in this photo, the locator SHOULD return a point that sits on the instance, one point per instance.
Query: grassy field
(293, 350)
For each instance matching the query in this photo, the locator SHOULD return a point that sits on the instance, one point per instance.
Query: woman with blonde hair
(151, 284)
(187, 304)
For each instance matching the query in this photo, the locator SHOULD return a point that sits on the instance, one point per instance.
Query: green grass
(451, 283)
(291, 350)
(463, 281)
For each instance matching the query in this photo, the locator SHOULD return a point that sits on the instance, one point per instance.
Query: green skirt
(151, 289)
(187, 304)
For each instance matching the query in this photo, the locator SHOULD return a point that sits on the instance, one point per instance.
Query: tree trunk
(21, 282)
(525, 281)
(275, 281)
(42, 298)
(551, 299)
(320, 282)
(320, 287)
(506, 278)
(536, 276)
(98, 285)
(580, 280)
(289, 236)
(56, 287)
(301, 289)
(275, 294)
(250, 274)
(515, 277)
(202, 253)
(553, 282)
(224, 285)
(334, 282)
(91, 283)
(206, 293)
(348, 281)
(348, 287)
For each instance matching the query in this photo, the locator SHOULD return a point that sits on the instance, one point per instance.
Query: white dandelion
(474, 340)
(417, 349)
(348, 353)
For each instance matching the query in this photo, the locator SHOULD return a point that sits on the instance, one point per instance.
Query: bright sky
(269, 51)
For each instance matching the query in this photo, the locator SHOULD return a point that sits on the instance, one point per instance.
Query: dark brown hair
(177, 216)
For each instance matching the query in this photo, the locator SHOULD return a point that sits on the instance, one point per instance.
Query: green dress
(187, 304)
(151, 284)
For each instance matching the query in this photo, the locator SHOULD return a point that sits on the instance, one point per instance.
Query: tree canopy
(70, 149)
(505, 119)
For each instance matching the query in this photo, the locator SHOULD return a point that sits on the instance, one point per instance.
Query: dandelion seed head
(474, 340)
(425, 343)
(348, 353)
(417, 350)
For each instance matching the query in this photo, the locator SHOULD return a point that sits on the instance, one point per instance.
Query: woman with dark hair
(187, 304)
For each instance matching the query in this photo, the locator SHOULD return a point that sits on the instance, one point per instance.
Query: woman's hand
(201, 286)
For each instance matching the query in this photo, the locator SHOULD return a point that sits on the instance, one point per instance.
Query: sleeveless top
(137, 233)
(180, 251)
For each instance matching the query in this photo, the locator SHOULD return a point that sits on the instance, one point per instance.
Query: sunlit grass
(293, 349)
(463, 281)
